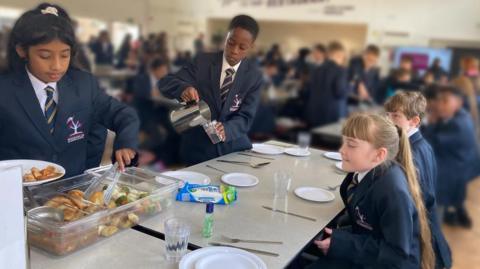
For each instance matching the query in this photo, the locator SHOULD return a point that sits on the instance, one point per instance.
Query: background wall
(301, 33)
(387, 23)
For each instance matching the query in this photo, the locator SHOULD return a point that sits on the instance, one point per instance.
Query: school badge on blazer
(361, 219)
(237, 101)
(75, 126)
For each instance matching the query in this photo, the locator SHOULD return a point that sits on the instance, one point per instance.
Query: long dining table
(328, 135)
(247, 218)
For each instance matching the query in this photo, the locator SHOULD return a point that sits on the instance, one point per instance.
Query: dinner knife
(289, 213)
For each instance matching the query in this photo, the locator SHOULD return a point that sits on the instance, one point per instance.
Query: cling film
(197, 193)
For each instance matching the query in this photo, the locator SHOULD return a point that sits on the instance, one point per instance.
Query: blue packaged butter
(222, 195)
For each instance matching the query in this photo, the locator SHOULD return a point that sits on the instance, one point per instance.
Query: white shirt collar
(153, 80)
(225, 66)
(361, 175)
(412, 132)
(39, 85)
(39, 89)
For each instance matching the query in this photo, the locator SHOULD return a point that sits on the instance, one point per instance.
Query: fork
(252, 155)
(216, 169)
(236, 240)
(246, 249)
(253, 165)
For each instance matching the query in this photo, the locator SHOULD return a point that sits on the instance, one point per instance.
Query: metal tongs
(114, 173)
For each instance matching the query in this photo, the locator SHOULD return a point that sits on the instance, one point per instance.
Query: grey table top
(128, 249)
(247, 219)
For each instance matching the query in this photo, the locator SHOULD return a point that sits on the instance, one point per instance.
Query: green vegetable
(125, 189)
(132, 197)
(151, 209)
(122, 200)
(142, 195)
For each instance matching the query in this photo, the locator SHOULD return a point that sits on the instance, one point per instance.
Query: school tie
(50, 109)
(351, 187)
(227, 83)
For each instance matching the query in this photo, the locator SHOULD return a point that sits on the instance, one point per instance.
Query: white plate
(314, 194)
(190, 177)
(29, 164)
(240, 179)
(333, 155)
(218, 261)
(298, 152)
(339, 166)
(226, 255)
(267, 149)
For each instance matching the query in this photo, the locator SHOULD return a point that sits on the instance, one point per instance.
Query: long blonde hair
(381, 132)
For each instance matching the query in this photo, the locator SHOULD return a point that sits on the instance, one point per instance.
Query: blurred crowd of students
(329, 86)
(325, 70)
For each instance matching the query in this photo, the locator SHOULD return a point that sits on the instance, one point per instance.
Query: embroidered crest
(361, 219)
(75, 126)
(237, 101)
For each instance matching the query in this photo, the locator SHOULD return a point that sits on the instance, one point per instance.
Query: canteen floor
(465, 243)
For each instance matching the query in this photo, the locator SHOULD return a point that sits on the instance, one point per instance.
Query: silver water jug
(190, 115)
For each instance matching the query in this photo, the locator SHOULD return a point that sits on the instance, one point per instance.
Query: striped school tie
(50, 109)
(351, 187)
(227, 83)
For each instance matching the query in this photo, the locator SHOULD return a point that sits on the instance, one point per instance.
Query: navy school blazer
(102, 56)
(142, 86)
(236, 115)
(327, 94)
(82, 105)
(385, 227)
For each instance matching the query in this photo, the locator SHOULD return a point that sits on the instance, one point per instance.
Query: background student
(406, 110)
(451, 133)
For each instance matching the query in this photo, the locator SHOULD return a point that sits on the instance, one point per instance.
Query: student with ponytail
(49, 107)
(406, 110)
(389, 224)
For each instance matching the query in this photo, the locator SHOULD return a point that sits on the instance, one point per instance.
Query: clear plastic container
(61, 238)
